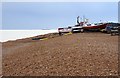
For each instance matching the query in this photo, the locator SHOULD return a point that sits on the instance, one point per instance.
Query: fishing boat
(87, 26)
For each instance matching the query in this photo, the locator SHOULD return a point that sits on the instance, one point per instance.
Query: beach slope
(80, 54)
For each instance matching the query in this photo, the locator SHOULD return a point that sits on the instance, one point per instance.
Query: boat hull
(103, 26)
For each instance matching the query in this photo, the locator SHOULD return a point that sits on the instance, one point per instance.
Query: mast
(78, 20)
(83, 19)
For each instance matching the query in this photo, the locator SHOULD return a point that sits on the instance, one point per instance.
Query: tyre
(81, 30)
(112, 34)
(72, 31)
(108, 32)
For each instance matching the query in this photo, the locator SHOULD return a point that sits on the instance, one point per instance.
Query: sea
(10, 35)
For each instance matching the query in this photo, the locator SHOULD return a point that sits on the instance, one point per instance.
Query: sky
(59, 0)
(119, 11)
(51, 15)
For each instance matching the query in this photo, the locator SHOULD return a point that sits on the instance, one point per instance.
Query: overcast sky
(59, 0)
(51, 15)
